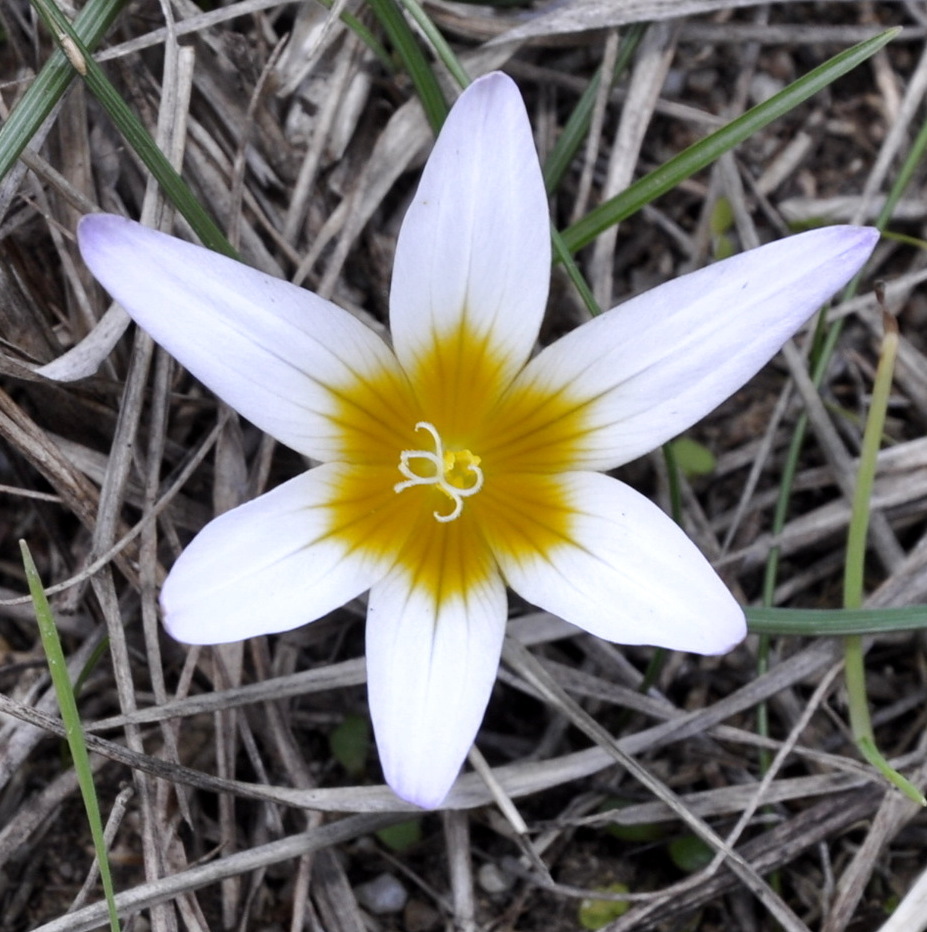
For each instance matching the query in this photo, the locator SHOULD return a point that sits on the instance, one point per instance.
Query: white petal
(628, 574)
(431, 666)
(649, 369)
(267, 566)
(474, 248)
(269, 349)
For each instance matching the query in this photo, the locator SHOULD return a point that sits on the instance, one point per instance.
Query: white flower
(452, 465)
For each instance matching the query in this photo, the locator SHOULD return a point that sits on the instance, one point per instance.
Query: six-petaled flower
(453, 464)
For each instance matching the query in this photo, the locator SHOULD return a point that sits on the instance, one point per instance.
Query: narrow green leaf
(364, 34)
(575, 275)
(861, 723)
(854, 568)
(132, 129)
(438, 42)
(823, 622)
(413, 58)
(91, 24)
(821, 360)
(58, 668)
(574, 131)
(703, 153)
(673, 481)
(868, 459)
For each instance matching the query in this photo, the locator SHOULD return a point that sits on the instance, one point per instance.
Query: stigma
(456, 473)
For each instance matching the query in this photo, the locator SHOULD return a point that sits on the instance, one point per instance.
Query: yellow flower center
(526, 436)
(456, 473)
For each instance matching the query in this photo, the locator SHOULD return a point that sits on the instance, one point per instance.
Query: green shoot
(58, 668)
(703, 153)
(129, 125)
(860, 721)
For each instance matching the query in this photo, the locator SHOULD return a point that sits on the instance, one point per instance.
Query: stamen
(444, 465)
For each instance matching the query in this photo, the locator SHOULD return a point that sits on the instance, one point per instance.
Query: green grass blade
(132, 129)
(91, 24)
(821, 360)
(577, 125)
(854, 566)
(58, 668)
(703, 153)
(364, 34)
(438, 42)
(868, 459)
(562, 255)
(835, 622)
(444, 52)
(413, 58)
(861, 724)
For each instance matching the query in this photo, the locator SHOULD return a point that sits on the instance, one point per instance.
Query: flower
(453, 464)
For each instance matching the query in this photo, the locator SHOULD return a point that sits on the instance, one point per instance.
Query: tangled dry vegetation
(241, 790)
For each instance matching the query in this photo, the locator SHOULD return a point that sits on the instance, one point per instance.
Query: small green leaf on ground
(690, 854)
(648, 831)
(596, 914)
(350, 743)
(692, 457)
(401, 836)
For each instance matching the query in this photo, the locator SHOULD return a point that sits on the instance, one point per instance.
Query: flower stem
(861, 723)
(855, 672)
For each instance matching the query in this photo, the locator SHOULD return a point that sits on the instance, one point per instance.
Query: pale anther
(442, 465)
